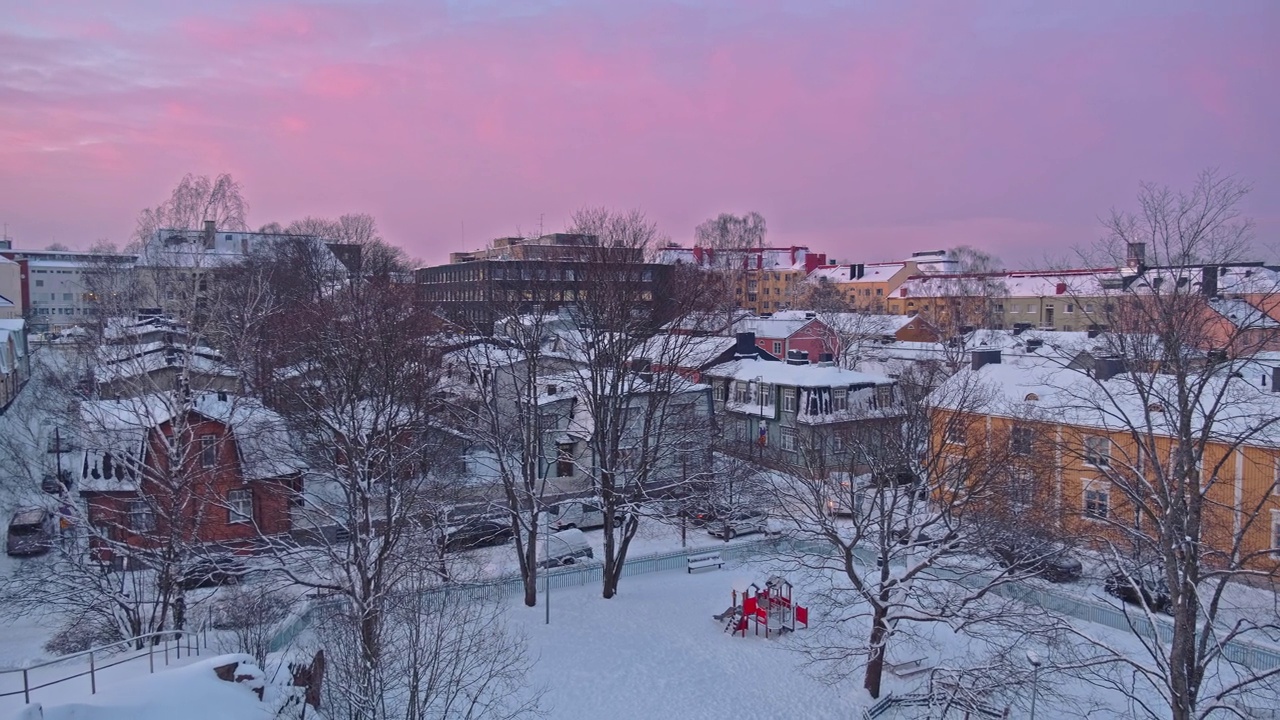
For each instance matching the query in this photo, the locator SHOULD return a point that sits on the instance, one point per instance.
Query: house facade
(799, 415)
(217, 473)
(1083, 464)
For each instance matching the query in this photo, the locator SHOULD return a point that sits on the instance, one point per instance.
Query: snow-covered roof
(112, 435)
(1243, 315)
(685, 351)
(787, 375)
(772, 327)
(1045, 389)
(871, 273)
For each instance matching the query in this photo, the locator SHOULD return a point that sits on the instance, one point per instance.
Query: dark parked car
(1046, 559)
(702, 514)
(30, 532)
(477, 532)
(1136, 590)
(213, 571)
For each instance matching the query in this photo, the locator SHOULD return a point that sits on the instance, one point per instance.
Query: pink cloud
(867, 133)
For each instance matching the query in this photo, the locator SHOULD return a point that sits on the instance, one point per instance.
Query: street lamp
(1035, 680)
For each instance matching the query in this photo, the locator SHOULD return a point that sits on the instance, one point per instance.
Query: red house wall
(202, 495)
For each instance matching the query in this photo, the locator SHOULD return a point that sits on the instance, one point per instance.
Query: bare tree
(917, 479)
(447, 656)
(729, 232)
(362, 408)
(1176, 423)
(197, 198)
(641, 413)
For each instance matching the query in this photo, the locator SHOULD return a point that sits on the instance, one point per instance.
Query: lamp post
(1035, 680)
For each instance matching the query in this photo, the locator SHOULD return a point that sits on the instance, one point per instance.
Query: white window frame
(1275, 533)
(1070, 309)
(208, 451)
(1095, 493)
(884, 396)
(839, 399)
(142, 518)
(1092, 456)
(1022, 490)
(240, 506)
(1013, 309)
(777, 348)
(790, 441)
(788, 400)
(954, 435)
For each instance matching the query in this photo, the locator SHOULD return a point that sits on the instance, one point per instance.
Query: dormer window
(839, 399)
(551, 389)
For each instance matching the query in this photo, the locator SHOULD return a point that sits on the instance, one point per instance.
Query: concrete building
(765, 280)
(53, 285)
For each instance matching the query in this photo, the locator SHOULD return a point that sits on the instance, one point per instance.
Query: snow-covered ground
(655, 651)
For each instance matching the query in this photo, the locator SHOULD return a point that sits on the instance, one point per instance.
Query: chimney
(1137, 256)
(1034, 344)
(826, 359)
(1105, 368)
(981, 358)
(902, 292)
(797, 357)
(746, 345)
(1060, 289)
(209, 231)
(1209, 281)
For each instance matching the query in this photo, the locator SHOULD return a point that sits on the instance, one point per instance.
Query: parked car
(580, 514)
(213, 571)
(1048, 560)
(1137, 590)
(740, 523)
(566, 547)
(477, 532)
(702, 514)
(31, 532)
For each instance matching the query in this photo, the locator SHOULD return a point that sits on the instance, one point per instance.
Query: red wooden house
(217, 471)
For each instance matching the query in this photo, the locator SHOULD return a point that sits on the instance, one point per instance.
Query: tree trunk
(877, 651)
(531, 570)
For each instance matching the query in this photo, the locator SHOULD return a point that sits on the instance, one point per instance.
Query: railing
(157, 643)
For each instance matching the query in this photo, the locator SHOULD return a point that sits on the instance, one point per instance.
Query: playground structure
(771, 607)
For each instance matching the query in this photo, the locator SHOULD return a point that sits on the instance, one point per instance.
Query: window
(66, 297)
(39, 283)
(564, 460)
(788, 439)
(1275, 532)
(884, 396)
(839, 399)
(723, 391)
(1021, 440)
(240, 505)
(788, 400)
(1097, 501)
(1193, 469)
(1088, 307)
(1013, 308)
(879, 291)
(1097, 451)
(141, 518)
(955, 434)
(1021, 490)
(1031, 309)
(777, 347)
(208, 450)
(765, 394)
(1069, 309)
(999, 307)
(742, 392)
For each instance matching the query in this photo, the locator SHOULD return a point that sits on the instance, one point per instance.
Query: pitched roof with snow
(776, 373)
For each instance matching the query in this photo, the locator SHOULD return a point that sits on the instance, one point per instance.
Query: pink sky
(867, 130)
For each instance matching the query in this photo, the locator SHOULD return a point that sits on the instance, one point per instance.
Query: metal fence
(158, 645)
(1249, 654)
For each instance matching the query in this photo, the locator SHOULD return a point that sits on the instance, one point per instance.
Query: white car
(742, 522)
